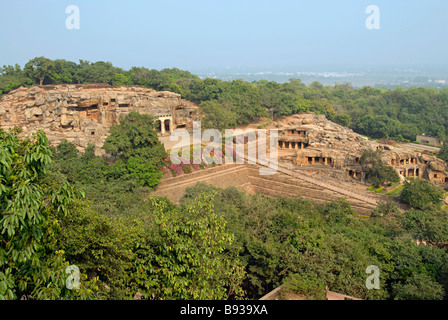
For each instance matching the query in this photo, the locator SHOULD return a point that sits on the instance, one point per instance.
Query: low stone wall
(282, 184)
(279, 294)
(247, 177)
(222, 176)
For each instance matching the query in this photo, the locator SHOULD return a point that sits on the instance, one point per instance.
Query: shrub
(186, 168)
(309, 285)
(421, 193)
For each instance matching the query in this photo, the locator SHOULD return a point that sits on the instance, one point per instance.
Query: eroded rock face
(318, 141)
(84, 113)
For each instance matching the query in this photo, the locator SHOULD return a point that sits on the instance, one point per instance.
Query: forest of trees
(398, 114)
(61, 208)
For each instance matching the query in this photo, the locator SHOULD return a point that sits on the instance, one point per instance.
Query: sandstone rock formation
(84, 113)
(316, 141)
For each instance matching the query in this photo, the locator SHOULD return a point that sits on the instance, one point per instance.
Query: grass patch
(261, 126)
(394, 185)
(396, 191)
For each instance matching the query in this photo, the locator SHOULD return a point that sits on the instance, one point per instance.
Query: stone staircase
(291, 171)
(221, 176)
(288, 180)
(285, 185)
(281, 183)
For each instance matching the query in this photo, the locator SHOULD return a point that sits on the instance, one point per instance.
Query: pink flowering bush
(187, 165)
(386, 141)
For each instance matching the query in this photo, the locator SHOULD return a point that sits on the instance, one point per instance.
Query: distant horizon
(233, 68)
(201, 34)
(386, 76)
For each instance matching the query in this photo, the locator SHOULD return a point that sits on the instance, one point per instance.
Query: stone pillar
(325, 161)
(162, 120)
(162, 126)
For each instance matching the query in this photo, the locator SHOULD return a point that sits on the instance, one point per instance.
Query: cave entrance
(158, 125)
(167, 125)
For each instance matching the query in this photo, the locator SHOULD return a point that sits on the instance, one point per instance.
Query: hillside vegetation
(398, 114)
(59, 208)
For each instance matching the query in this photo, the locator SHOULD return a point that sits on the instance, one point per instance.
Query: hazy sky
(192, 34)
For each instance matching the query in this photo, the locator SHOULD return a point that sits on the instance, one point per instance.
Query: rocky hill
(84, 113)
(315, 141)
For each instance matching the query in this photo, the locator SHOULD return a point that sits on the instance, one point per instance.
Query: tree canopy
(421, 193)
(59, 206)
(31, 265)
(379, 172)
(215, 244)
(136, 136)
(399, 114)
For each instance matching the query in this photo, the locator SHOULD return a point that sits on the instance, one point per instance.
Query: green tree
(337, 212)
(96, 72)
(31, 265)
(421, 193)
(418, 287)
(151, 78)
(217, 116)
(443, 153)
(427, 225)
(12, 77)
(102, 247)
(144, 172)
(270, 238)
(63, 72)
(343, 119)
(66, 150)
(379, 172)
(386, 208)
(116, 170)
(121, 79)
(187, 255)
(135, 137)
(309, 285)
(39, 69)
